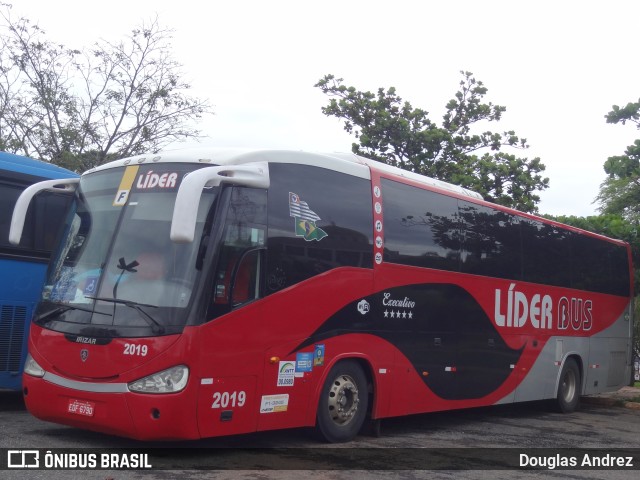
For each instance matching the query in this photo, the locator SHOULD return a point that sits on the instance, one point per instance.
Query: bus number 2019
(226, 399)
(132, 349)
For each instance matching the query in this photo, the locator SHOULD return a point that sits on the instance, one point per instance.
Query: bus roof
(348, 163)
(29, 166)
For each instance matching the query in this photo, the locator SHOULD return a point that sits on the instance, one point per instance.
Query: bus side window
(49, 209)
(237, 277)
(246, 283)
(239, 268)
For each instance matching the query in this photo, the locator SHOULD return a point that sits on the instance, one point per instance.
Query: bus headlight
(171, 380)
(32, 368)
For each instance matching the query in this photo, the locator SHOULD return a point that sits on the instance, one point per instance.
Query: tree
(81, 108)
(391, 131)
(620, 192)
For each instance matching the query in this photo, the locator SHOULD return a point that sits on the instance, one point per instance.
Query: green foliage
(629, 113)
(80, 108)
(620, 192)
(392, 131)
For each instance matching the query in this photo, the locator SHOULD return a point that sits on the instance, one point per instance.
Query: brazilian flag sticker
(305, 219)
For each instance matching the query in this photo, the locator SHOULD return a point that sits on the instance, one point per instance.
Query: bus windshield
(117, 273)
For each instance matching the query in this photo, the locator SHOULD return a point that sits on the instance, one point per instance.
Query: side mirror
(185, 211)
(67, 185)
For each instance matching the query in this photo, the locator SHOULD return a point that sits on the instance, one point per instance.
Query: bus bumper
(125, 414)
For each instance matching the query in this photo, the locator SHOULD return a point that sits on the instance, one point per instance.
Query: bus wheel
(568, 397)
(343, 402)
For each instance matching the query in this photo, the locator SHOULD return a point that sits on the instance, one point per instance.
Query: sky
(557, 66)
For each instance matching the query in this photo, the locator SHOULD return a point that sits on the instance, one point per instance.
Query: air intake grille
(12, 320)
(617, 361)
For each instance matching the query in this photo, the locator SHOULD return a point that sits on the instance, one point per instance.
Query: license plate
(81, 407)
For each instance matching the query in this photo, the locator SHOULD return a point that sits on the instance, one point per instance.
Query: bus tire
(568, 398)
(343, 403)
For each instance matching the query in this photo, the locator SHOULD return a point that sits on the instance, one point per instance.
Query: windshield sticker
(305, 219)
(151, 180)
(125, 185)
(318, 355)
(304, 363)
(286, 374)
(90, 285)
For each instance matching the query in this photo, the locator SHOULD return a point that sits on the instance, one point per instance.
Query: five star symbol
(398, 314)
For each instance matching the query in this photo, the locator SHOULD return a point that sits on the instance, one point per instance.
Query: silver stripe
(86, 386)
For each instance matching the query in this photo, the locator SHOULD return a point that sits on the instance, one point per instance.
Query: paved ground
(606, 424)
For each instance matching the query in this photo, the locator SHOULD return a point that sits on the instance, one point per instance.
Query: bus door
(436, 360)
(230, 360)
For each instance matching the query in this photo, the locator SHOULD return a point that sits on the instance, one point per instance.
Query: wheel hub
(343, 400)
(569, 386)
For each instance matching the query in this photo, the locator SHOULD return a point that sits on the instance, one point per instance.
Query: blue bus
(23, 267)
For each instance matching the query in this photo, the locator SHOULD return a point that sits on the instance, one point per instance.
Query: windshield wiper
(63, 308)
(156, 327)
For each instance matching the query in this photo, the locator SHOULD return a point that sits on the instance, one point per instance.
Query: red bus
(217, 293)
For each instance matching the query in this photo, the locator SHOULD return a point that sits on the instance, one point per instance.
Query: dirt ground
(628, 397)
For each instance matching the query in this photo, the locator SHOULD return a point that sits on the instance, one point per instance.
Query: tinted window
(491, 243)
(45, 219)
(547, 257)
(422, 228)
(8, 196)
(427, 229)
(42, 223)
(599, 266)
(319, 219)
(620, 281)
